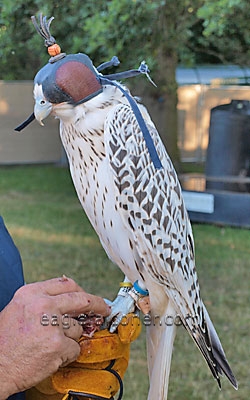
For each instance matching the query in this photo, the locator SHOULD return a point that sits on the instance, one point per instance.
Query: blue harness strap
(11, 275)
(147, 137)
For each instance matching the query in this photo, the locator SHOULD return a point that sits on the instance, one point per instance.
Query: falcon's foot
(120, 307)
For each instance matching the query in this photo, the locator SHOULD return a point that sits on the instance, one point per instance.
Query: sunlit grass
(42, 212)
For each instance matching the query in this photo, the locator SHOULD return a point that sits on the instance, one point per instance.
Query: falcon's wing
(151, 203)
(152, 206)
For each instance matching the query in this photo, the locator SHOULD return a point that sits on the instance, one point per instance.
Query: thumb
(72, 351)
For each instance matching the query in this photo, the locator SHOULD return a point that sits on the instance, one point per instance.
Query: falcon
(128, 187)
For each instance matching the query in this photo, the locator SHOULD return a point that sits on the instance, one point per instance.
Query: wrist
(8, 386)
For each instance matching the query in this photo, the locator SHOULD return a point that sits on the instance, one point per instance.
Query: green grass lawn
(43, 214)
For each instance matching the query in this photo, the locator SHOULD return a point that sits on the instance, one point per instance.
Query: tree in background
(162, 32)
(225, 35)
(22, 52)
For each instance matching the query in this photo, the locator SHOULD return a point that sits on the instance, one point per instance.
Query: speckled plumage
(140, 217)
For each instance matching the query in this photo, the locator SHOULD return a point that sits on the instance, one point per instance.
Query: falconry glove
(98, 371)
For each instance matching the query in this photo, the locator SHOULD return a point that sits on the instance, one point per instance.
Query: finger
(88, 303)
(54, 286)
(71, 328)
(60, 285)
(72, 351)
(97, 305)
(76, 303)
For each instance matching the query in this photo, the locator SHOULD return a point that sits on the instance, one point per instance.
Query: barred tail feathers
(210, 347)
(218, 352)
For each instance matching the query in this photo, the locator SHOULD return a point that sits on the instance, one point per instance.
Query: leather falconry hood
(59, 76)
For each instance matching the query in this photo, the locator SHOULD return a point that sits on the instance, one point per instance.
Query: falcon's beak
(42, 110)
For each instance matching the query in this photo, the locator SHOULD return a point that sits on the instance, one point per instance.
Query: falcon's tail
(210, 346)
(218, 352)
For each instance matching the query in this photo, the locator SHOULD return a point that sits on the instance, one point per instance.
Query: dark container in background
(228, 152)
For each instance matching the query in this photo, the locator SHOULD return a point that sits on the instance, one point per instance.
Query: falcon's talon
(108, 302)
(120, 307)
(116, 322)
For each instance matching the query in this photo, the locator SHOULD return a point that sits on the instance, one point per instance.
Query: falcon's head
(70, 79)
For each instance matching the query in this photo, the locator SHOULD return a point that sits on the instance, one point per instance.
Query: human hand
(32, 351)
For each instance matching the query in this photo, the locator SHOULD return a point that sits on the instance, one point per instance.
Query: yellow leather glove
(98, 371)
